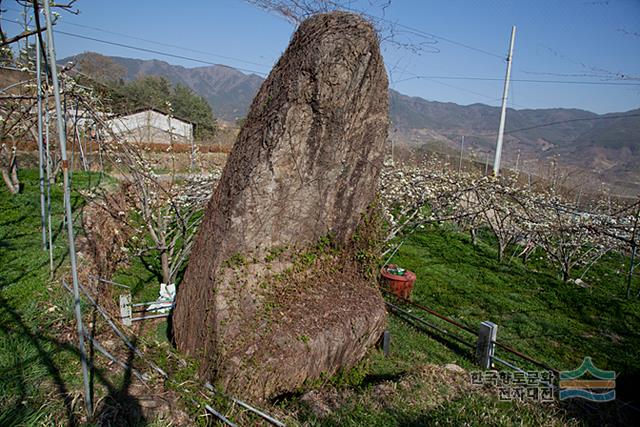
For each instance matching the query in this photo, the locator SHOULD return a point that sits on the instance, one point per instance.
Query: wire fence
(485, 351)
(144, 377)
(461, 327)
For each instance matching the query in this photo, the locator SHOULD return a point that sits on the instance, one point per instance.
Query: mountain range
(607, 145)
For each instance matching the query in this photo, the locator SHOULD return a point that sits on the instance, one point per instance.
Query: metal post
(76, 136)
(193, 150)
(486, 344)
(40, 147)
(386, 341)
(48, 154)
(579, 195)
(68, 213)
(461, 151)
(503, 113)
(99, 145)
(517, 165)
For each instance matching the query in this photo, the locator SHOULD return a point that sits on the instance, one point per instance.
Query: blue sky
(568, 40)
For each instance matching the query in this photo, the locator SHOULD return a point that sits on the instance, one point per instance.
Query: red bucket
(400, 286)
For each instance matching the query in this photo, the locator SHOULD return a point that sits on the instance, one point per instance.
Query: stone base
(300, 332)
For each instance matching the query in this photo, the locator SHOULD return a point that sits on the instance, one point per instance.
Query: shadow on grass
(119, 407)
(441, 338)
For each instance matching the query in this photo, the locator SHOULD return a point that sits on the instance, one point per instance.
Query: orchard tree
(567, 236)
(17, 122)
(499, 208)
(164, 211)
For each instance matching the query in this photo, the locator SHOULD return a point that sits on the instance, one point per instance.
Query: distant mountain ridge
(609, 143)
(228, 91)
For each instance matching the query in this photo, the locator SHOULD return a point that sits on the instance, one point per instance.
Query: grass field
(555, 322)
(38, 360)
(558, 323)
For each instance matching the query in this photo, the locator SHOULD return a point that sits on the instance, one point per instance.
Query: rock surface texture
(260, 317)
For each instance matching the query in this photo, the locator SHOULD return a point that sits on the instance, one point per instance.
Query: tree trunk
(501, 248)
(166, 271)
(631, 268)
(10, 172)
(6, 176)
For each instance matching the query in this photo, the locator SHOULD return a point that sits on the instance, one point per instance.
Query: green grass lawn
(536, 313)
(555, 322)
(558, 323)
(36, 366)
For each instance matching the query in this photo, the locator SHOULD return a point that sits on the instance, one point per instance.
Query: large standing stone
(305, 165)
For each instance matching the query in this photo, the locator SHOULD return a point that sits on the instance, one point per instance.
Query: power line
(601, 76)
(419, 32)
(211, 63)
(153, 41)
(166, 44)
(491, 79)
(433, 78)
(411, 30)
(585, 119)
(510, 131)
(157, 52)
(426, 34)
(491, 98)
(142, 49)
(415, 77)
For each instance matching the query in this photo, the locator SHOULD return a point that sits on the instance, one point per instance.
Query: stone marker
(263, 306)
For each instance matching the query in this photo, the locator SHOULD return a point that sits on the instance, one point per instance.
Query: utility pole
(461, 151)
(518, 164)
(40, 147)
(67, 205)
(503, 113)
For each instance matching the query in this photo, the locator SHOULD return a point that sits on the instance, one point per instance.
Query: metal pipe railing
(443, 331)
(245, 405)
(430, 311)
(467, 329)
(527, 358)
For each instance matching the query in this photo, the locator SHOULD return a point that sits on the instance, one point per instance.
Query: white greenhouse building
(152, 126)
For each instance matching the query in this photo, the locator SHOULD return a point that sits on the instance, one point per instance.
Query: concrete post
(486, 347)
(125, 309)
(503, 113)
